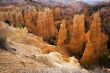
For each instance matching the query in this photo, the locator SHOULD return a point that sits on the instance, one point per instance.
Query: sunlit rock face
(1, 15)
(50, 21)
(42, 26)
(24, 57)
(12, 18)
(12, 33)
(62, 34)
(78, 33)
(34, 14)
(30, 18)
(4, 15)
(28, 22)
(22, 36)
(19, 18)
(46, 25)
(41, 23)
(97, 43)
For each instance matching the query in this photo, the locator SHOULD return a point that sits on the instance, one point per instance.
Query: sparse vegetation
(19, 26)
(68, 37)
(103, 59)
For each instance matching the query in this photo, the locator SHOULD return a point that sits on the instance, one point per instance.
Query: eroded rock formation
(51, 23)
(40, 23)
(28, 22)
(97, 43)
(23, 57)
(22, 36)
(42, 26)
(78, 33)
(19, 18)
(12, 18)
(62, 34)
(46, 25)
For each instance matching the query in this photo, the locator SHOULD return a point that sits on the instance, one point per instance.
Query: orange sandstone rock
(97, 43)
(19, 18)
(42, 26)
(78, 34)
(46, 25)
(28, 22)
(34, 14)
(51, 24)
(12, 18)
(4, 16)
(62, 34)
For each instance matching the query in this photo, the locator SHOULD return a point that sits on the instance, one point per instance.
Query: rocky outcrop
(23, 57)
(34, 14)
(4, 16)
(51, 23)
(46, 25)
(41, 23)
(22, 36)
(12, 18)
(78, 33)
(97, 42)
(42, 26)
(62, 34)
(28, 22)
(19, 18)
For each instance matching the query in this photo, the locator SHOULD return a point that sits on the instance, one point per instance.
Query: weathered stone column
(97, 43)
(62, 34)
(78, 34)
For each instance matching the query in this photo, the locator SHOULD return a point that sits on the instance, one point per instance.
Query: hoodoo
(97, 43)
(62, 34)
(78, 32)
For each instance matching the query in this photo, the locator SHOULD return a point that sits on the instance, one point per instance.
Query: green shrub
(19, 26)
(103, 59)
(68, 37)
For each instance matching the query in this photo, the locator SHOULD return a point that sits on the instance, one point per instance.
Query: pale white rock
(74, 61)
